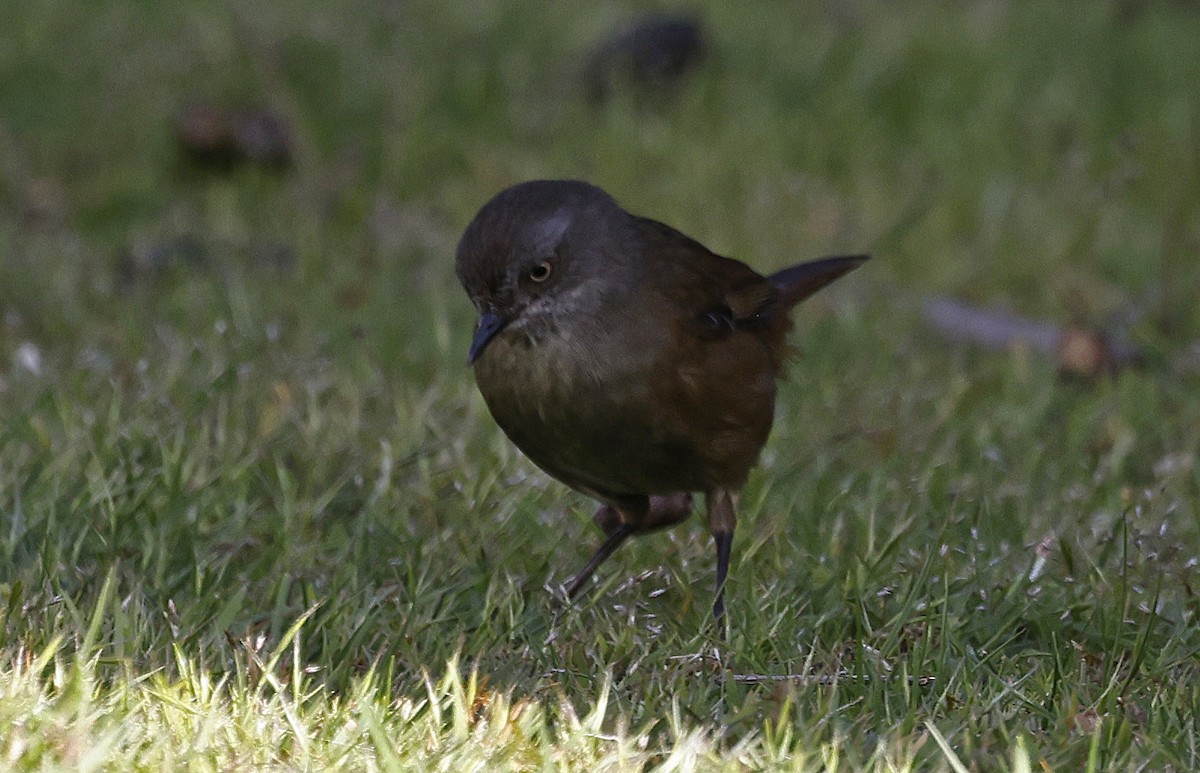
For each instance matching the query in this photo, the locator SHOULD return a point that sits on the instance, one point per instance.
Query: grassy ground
(254, 514)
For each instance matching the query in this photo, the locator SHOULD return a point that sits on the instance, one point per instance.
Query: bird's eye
(541, 272)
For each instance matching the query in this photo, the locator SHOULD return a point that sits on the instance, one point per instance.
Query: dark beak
(489, 325)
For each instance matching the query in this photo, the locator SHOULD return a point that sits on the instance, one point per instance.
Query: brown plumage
(625, 358)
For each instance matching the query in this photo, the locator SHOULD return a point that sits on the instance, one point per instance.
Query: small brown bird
(626, 359)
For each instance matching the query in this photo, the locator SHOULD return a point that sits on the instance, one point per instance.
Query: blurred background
(327, 155)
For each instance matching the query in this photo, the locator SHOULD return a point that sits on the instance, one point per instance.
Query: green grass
(254, 514)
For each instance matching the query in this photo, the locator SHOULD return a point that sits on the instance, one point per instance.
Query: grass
(254, 514)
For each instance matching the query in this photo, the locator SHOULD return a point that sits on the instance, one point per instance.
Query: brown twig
(1079, 350)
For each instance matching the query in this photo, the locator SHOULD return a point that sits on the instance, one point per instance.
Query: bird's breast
(627, 411)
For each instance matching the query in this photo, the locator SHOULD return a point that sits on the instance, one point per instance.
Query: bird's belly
(610, 422)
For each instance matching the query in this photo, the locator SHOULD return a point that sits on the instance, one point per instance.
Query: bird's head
(540, 255)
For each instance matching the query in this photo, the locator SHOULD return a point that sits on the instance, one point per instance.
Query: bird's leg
(665, 510)
(722, 518)
(615, 538)
(619, 520)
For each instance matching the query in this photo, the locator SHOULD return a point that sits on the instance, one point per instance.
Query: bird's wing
(728, 329)
(719, 292)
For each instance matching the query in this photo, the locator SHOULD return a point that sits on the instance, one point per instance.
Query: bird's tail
(796, 283)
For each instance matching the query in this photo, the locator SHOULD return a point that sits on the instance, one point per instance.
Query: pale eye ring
(541, 272)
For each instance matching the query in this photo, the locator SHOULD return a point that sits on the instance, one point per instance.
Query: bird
(627, 360)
